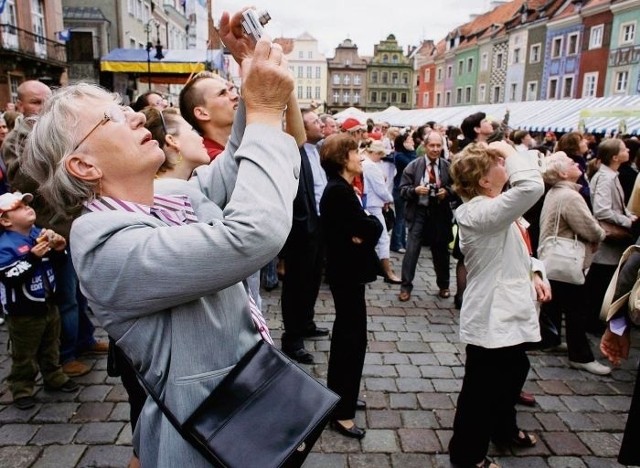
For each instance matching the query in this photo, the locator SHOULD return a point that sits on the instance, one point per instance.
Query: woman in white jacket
(498, 314)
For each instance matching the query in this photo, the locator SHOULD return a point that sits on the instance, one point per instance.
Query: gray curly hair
(53, 139)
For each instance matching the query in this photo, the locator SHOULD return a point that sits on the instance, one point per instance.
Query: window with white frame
(552, 89)
(309, 95)
(516, 56)
(309, 72)
(621, 82)
(513, 92)
(345, 97)
(425, 99)
(374, 96)
(627, 32)
(356, 97)
(394, 77)
(394, 58)
(374, 77)
(534, 53)
(317, 93)
(438, 99)
(14, 82)
(385, 78)
(499, 60)
(532, 90)
(300, 54)
(447, 98)
(347, 79)
(439, 74)
(427, 75)
(482, 93)
(458, 95)
(357, 79)
(567, 87)
(405, 78)
(470, 65)
(394, 97)
(484, 62)
(573, 44)
(318, 72)
(595, 36)
(310, 54)
(590, 84)
(300, 71)
(403, 98)
(336, 78)
(497, 91)
(467, 94)
(460, 67)
(449, 71)
(383, 97)
(336, 97)
(299, 92)
(556, 47)
(37, 17)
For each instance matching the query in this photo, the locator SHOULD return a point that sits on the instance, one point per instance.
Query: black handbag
(389, 218)
(267, 412)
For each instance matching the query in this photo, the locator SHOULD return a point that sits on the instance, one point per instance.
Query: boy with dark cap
(27, 292)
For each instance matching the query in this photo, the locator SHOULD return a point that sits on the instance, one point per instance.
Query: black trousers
(629, 450)
(348, 347)
(595, 287)
(300, 286)
(439, 252)
(486, 411)
(568, 299)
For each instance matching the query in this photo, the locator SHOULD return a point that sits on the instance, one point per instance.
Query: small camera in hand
(253, 22)
(433, 191)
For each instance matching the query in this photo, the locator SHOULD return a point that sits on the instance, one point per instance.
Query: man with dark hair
(476, 128)
(303, 253)
(209, 103)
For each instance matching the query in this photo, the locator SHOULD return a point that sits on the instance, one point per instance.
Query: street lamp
(158, 55)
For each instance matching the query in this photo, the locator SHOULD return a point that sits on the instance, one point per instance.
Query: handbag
(616, 234)
(563, 258)
(630, 299)
(389, 218)
(267, 412)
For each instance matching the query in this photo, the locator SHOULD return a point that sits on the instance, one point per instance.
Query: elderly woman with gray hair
(164, 285)
(566, 208)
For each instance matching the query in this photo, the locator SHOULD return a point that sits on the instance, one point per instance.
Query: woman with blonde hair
(498, 316)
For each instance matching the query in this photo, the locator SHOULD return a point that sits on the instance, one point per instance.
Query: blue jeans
(76, 328)
(269, 277)
(399, 233)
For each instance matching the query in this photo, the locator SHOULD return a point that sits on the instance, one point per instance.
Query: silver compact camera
(253, 22)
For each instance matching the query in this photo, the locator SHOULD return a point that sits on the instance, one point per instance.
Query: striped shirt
(174, 210)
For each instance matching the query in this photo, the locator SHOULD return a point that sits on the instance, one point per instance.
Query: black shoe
(24, 403)
(69, 386)
(457, 302)
(316, 332)
(354, 431)
(392, 281)
(361, 404)
(301, 355)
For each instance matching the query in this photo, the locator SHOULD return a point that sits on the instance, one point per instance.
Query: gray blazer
(172, 297)
(607, 199)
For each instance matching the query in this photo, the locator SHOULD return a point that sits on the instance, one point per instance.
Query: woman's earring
(180, 158)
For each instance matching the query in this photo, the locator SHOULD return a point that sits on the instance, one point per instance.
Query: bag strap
(557, 224)
(189, 438)
(608, 308)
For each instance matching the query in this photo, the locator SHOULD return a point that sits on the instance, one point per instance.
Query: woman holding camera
(351, 235)
(499, 314)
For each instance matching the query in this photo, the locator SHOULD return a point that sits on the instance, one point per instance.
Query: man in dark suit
(426, 186)
(303, 251)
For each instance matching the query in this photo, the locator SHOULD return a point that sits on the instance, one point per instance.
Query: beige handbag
(630, 299)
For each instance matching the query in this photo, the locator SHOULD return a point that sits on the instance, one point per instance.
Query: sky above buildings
(364, 22)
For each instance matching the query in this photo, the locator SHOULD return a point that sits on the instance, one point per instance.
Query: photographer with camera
(426, 187)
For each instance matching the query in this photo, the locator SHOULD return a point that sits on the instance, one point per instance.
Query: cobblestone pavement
(412, 375)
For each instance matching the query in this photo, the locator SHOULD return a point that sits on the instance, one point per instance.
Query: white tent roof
(556, 115)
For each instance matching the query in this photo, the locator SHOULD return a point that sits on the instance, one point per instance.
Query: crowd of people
(96, 197)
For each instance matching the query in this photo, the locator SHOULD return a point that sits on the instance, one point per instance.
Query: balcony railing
(28, 43)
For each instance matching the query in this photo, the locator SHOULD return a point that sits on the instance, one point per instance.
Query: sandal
(488, 463)
(444, 293)
(524, 439)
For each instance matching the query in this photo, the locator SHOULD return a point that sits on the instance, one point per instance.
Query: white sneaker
(594, 367)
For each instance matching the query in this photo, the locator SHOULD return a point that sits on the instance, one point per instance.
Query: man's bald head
(31, 97)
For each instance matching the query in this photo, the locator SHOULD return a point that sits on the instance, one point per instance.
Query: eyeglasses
(117, 114)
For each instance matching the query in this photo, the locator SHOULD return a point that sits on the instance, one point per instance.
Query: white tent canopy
(557, 115)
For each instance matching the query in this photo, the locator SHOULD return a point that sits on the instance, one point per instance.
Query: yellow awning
(156, 67)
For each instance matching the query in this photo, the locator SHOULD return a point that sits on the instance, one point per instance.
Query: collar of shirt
(213, 147)
(175, 210)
